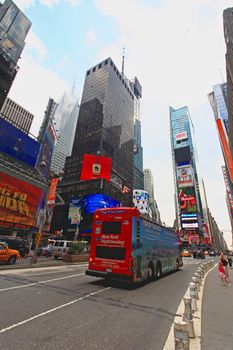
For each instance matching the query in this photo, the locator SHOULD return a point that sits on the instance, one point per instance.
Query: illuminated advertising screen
(92, 202)
(46, 151)
(74, 215)
(184, 176)
(20, 201)
(17, 144)
(187, 200)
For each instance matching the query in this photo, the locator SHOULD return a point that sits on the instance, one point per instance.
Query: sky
(175, 48)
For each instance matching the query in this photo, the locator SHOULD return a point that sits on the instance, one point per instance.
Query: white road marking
(45, 269)
(51, 310)
(41, 282)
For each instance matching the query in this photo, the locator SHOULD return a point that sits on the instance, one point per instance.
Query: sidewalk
(217, 313)
(41, 262)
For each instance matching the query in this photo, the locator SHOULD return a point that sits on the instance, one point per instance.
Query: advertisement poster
(19, 201)
(95, 167)
(74, 215)
(184, 176)
(187, 200)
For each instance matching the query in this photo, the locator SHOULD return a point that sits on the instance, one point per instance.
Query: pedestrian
(223, 259)
(229, 261)
(221, 273)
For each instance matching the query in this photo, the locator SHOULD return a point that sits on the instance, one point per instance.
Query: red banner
(19, 201)
(95, 167)
(52, 191)
(225, 147)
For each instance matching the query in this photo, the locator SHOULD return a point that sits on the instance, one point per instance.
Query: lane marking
(51, 310)
(35, 269)
(41, 282)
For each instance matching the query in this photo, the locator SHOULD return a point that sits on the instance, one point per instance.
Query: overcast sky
(175, 48)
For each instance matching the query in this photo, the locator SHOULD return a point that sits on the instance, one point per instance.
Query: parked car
(60, 248)
(7, 255)
(46, 251)
(16, 243)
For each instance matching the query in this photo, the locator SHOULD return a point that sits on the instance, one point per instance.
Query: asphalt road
(61, 308)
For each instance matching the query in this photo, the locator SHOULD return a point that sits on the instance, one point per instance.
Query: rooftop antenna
(123, 61)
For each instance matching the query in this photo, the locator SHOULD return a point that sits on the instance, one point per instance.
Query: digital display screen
(92, 202)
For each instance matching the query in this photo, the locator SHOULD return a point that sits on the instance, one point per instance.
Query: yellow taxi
(186, 253)
(7, 255)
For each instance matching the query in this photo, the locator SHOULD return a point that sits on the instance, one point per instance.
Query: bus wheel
(158, 271)
(150, 272)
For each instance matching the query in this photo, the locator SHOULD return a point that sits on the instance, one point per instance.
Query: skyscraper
(218, 101)
(17, 115)
(105, 127)
(228, 34)
(149, 187)
(138, 175)
(65, 120)
(14, 26)
(186, 175)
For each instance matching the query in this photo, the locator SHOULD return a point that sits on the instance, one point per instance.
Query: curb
(195, 343)
(37, 265)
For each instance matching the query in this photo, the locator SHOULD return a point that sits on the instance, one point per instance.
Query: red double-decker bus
(128, 247)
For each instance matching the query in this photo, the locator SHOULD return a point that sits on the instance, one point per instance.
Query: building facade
(14, 26)
(228, 34)
(219, 103)
(149, 187)
(186, 176)
(65, 120)
(105, 127)
(17, 115)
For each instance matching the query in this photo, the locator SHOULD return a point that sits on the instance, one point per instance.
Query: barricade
(181, 336)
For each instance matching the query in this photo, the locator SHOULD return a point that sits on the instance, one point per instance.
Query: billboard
(20, 201)
(17, 144)
(97, 201)
(187, 200)
(95, 167)
(181, 136)
(46, 151)
(184, 176)
(74, 214)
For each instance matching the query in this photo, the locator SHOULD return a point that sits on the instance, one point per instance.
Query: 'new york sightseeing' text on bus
(128, 247)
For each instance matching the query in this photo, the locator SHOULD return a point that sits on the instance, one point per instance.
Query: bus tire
(177, 264)
(158, 270)
(150, 272)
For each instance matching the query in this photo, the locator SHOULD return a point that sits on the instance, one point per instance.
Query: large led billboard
(74, 215)
(187, 200)
(17, 144)
(20, 201)
(184, 176)
(98, 200)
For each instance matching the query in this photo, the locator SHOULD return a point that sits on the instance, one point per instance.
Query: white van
(60, 248)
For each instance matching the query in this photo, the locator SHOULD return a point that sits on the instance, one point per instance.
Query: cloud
(90, 38)
(35, 44)
(74, 2)
(32, 88)
(64, 62)
(49, 3)
(176, 49)
(24, 4)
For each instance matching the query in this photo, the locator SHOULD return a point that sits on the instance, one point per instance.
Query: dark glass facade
(105, 126)
(14, 27)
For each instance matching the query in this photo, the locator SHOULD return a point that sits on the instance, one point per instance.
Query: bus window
(112, 227)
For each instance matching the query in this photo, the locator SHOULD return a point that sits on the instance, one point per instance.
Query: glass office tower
(14, 26)
(186, 175)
